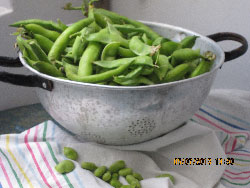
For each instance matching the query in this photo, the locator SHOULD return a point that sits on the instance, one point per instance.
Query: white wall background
(15, 10)
(204, 17)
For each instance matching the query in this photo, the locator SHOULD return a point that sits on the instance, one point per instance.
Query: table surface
(19, 119)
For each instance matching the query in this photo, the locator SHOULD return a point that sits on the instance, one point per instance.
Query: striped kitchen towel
(222, 124)
(228, 112)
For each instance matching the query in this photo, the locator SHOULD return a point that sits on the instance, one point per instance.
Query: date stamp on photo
(203, 161)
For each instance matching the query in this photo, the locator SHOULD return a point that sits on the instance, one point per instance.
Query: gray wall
(11, 11)
(204, 17)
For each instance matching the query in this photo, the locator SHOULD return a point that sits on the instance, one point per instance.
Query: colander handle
(230, 55)
(22, 80)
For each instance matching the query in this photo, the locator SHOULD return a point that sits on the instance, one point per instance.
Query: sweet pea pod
(146, 40)
(188, 42)
(135, 81)
(186, 54)
(23, 44)
(48, 68)
(116, 18)
(166, 175)
(46, 24)
(110, 51)
(147, 71)
(70, 153)
(125, 29)
(178, 72)
(163, 66)
(123, 52)
(88, 165)
(97, 78)
(37, 29)
(43, 42)
(90, 54)
(139, 60)
(159, 41)
(203, 67)
(78, 48)
(100, 171)
(39, 52)
(65, 166)
(104, 36)
(63, 40)
(101, 19)
(134, 73)
(68, 66)
(167, 48)
(138, 47)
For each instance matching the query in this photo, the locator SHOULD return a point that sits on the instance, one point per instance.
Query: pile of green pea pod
(110, 49)
(108, 174)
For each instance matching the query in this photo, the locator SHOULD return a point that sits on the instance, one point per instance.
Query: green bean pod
(188, 42)
(97, 78)
(178, 72)
(46, 24)
(87, 165)
(89, 56)
(203, 67)
(123, 52)
(70, 153)
(45, 43)
(100, 171)
(37, 29)
(63, 40)
(65, 166)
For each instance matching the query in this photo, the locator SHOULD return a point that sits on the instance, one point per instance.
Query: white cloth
(41, 148)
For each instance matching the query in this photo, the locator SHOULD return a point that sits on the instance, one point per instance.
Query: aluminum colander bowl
(119, 115)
